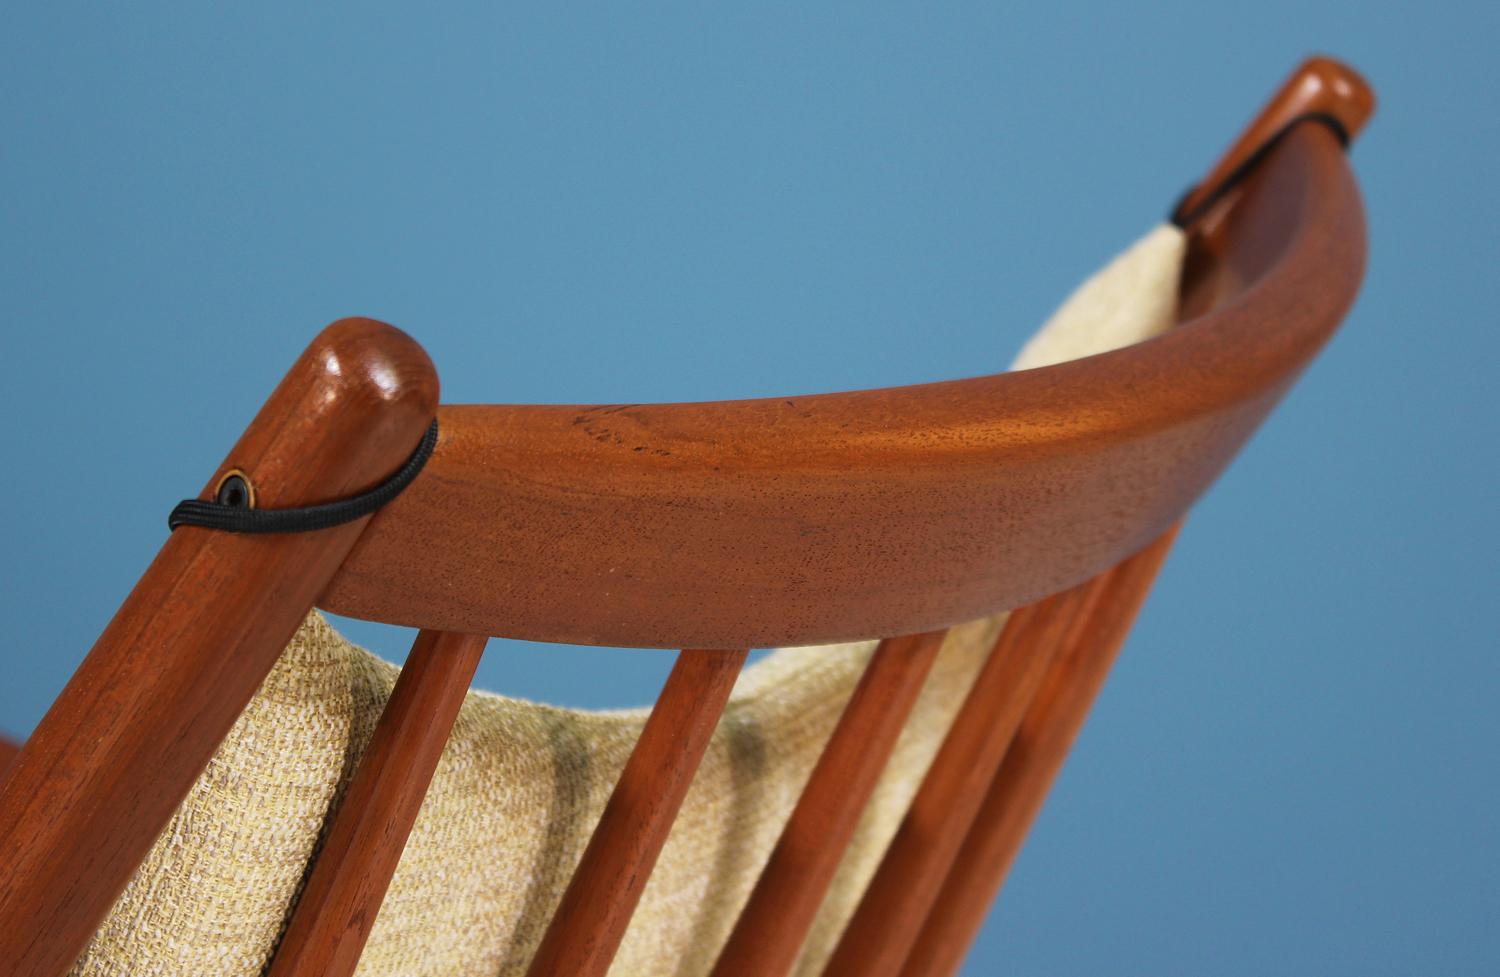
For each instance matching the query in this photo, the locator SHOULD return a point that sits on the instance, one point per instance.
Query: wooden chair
(1078, 474)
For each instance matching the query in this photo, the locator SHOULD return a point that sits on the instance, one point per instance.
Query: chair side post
(89, 793)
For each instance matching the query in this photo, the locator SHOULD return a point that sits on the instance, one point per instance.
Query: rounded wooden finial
(1319, 85)
(346, 416)
(1324, 84)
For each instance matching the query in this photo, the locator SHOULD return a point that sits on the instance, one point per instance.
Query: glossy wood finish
(769, 933)
(119, 749)
(8, 750)
(1225, 257)
(791, 520)
(338, 907)
(590, 921)
(834, 517)
(880, 933)
(1031, 763)
(1320, 85)
(1231, 244)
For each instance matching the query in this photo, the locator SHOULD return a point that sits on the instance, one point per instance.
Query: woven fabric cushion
(520, 785)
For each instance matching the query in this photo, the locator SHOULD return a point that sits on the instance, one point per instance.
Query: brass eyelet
(235, 490)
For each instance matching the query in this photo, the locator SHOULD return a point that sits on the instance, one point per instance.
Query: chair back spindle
(1035, 755)
(768, 935)
(1054, 492)
(590, 922)
(337, 908)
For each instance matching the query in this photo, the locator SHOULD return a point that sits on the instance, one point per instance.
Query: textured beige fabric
(1132, 298)
(520, 785)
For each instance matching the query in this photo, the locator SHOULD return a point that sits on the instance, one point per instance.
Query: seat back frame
(711, 527)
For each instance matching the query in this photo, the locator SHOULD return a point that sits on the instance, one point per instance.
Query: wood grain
(590, 921)
(1219, 265)
(1031, 763)
(769, 933)
(880, 934)
(338, 907)
(8, 750)
(131, 731)
(720, 525)
(834, 517)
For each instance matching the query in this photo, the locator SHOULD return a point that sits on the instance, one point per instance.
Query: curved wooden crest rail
(706, 526)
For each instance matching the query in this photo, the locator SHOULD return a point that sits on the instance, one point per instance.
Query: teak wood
(1035, 755)
(1319, 85)
(590, 922)
(838, 516)
(878, 937)
(769, 932)
(342, 897)
(723, 525)
(8, 751)
(119, 749)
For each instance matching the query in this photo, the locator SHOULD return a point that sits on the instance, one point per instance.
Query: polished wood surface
(880, 934)
(590, 921)
(123, 743)
(769, 932)
(1224, 259)
(1220, 265)
(834, 517)
(1032, 761)
(342, 897)
(1320, 85)
(719, 525)
(8, 750)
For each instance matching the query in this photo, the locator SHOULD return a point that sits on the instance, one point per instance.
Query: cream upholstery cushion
(520, 785)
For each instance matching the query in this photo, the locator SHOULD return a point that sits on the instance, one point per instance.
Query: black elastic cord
(1238, 174)
(243, 519)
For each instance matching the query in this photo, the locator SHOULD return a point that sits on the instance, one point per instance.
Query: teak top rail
(838, 516)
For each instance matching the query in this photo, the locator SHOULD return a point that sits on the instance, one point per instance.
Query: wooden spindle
(338, 907)
(590, 922)
(1032, 762)
(771, 928)
(881, 933)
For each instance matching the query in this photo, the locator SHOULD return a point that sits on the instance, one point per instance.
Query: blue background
(1293, 768)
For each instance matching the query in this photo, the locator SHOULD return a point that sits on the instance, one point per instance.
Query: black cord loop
(1237, 175)
(231, 512)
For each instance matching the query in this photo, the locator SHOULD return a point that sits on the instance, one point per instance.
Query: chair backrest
(844, 516)
(888, 513)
